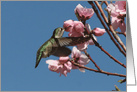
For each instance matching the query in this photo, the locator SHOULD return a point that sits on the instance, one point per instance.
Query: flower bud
(98, 31)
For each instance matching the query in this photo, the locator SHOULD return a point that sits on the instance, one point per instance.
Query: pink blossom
(98, 31)
(118, 11)
(111, 8)
(83, 13)
(78, 26)
(62, 66)
(121, 7)
(116, 22)
(68, 25)
(75, 28)
(84, 45)
(75, 34)
(54, 65)
(80, 58)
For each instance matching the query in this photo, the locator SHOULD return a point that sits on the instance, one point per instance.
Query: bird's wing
(62, 51)
(71, 41)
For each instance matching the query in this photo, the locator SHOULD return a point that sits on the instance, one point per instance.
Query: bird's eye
(61, 28)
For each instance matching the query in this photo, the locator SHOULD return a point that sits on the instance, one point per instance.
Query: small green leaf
(122, 80)
(117, 89)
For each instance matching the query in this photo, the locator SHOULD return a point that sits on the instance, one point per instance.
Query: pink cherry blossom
(78, 26)
(68, 25)
(54, 65)
(121, 7)
(83, 13)
(62, 66)
(84, 45)
(111, 8)
(75, 28)
(116, 22)
(98, 31)
(118, 11)
(75, 34)
(80, 58)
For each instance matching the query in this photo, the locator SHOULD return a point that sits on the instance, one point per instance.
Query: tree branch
(86, 53)
(97, 44)
(90, 69)
(121, 33)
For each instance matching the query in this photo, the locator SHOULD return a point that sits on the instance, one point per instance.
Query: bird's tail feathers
(38, 58)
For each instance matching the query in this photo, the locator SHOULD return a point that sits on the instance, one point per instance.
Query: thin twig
(96, 11)
(86, 53)
(106, 3)
(104, 72)
(102, 3)
(122, 80)
(121, 33)
(97, 44)
(110, 26)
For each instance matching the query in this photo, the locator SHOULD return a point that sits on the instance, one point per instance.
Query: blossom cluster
(118, 13)
(63, 65)
(76, 29)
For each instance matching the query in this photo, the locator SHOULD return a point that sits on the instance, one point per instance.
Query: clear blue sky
(25, 26)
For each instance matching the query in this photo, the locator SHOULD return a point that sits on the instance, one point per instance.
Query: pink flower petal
(87, 13)
(74, 67)
(78, 8)
(83, 59)
(91, 41)
(78, 26)
(68, 65)
(81, 69)
(121, 5)
(75, 34)
(111, 7)
(52, 62)
(83, 13)
(63, 59)
(64, 71)
(68, 25)
(115, 23)
(122, 26)
(75, 53)
(82, 46)
(88, 27)
(53, 65)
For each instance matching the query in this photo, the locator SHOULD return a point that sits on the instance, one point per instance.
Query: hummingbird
(56, 45)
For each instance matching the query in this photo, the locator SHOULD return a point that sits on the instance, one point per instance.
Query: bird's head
(58, 32)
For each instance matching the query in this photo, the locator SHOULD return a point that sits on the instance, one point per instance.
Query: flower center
(121, 16)
(76, 60)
